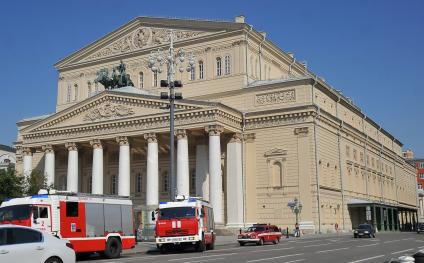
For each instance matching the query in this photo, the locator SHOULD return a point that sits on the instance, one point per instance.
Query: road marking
(398, 252)
(285, 256)
(370, 245)
(220, 255)
(318, 245)
(329, 250)
(391, 241)
(265, 250)
(292, 261)
(365, 259)
(408, 238)
(204, 260)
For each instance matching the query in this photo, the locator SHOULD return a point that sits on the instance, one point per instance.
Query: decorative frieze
(141, 38)
(108, 111)
(277, 97)
(96, 144)
(250, 137)
(301, 131)
(150, 137)
(214, 130)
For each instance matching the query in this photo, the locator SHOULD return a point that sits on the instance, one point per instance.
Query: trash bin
(419, 256)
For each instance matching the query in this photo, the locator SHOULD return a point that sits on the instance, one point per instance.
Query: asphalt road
(341, 249)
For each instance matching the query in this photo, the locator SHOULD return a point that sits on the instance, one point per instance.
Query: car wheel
(242, 243)
(275, 241)
(53, 260)
(113, 248)
(260, 242)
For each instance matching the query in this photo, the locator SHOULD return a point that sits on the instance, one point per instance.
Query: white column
(183, 179)
(202, 171)
(235, 208)
(27, 160)
(97, 171)
(49, 165)
(124, 166)
(72, 176)
(215, 174)
(152, 184)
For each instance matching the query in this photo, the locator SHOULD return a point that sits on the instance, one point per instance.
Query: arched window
(165, 182)
(68, 93)
(114, 185)
(155, 79)
(141, 80)
(139, 183)
(193, 74)
(218, 66)
(227, 65)
(76, 92)
(277, 174)
(201, 69)
(89, 88)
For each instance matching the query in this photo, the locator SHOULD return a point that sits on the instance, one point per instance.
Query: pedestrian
(297, 231)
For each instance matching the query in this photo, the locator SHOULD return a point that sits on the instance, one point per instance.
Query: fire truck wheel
(113, 248)
(260, 242)
(200, 246)
(53, 260)
(242, 243)
(162, 249)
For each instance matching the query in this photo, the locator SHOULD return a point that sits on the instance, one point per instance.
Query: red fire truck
(186, 222)
(92, 223)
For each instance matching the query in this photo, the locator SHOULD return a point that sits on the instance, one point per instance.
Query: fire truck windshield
(177, 212)
(15, 212)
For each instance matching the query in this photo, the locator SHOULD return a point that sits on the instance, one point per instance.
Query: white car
(26, 245)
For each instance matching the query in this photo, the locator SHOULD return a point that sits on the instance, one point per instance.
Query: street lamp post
(296, 208)
(157, 60)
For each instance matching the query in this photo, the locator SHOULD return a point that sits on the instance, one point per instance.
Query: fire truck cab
(92, 223)
(186, 222)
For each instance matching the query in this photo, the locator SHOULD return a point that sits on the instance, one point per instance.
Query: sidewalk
(144, 247)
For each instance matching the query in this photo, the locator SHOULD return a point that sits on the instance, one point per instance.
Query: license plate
(361, 234)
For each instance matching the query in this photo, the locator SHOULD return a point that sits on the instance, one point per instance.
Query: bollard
(287, 233)
(419, 256)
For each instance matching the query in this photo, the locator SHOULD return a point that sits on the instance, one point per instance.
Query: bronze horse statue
(117, 80)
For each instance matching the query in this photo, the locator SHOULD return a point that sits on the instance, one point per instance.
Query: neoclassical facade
(255, 130)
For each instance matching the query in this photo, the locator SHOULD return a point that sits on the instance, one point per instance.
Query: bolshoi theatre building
(255, 130)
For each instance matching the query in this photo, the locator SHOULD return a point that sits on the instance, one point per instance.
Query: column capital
(150, 137)
(250, 137)
(26, 151)
(71, 146)
(214, 130)
(181, 134)
(48, 148)
(96, 144)
(236, 137)
(122, 140)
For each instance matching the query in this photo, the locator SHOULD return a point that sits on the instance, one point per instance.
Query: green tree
(34, 182)
(11, 185)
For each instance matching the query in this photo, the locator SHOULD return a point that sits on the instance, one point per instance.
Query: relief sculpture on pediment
(108, 111)
(142, 37)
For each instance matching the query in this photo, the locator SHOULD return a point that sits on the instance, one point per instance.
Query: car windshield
(15, 212)
(256, 229)
(364, 227)
(177, 212)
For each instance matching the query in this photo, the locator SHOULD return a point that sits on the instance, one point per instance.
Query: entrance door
(41, 217)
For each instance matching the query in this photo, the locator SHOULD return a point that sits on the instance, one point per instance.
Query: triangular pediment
(109, 106)
(143, 34)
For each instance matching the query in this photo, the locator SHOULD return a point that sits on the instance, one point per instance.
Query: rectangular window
(72, 209)
(138, 186)
(347, 151)
(192, 74)
(113, 185)
(76, 92)
(155, 79)
(421, 175)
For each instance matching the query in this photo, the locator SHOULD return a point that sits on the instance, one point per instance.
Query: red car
(259, 234)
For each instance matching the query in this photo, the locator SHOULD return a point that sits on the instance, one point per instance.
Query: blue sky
(371, 50)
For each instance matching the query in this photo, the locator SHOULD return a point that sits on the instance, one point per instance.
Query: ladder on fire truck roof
(69, 193)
